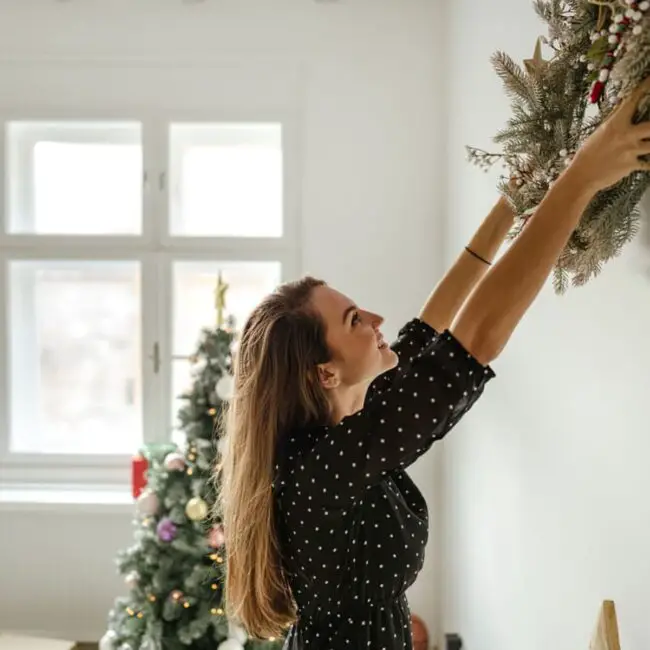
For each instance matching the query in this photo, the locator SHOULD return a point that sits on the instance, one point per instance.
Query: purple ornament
(166, 529)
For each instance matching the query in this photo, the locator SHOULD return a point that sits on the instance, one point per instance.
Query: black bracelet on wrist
(478, 257)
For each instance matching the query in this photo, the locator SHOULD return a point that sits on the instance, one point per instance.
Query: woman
(324, 529)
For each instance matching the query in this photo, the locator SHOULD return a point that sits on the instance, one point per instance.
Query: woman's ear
(327, 376)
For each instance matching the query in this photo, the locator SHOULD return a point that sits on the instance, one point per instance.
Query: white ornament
(563, 153)
(237, 632)
(613, 39)
(618, 18)
(148, 503)
(174, 462)
(230, 644)
(107, 642)
(604, 75)
(637, 30)
(132, 579)
(644, 6)
(225, 387)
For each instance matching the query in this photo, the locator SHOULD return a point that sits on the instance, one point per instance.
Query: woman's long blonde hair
(276, 390)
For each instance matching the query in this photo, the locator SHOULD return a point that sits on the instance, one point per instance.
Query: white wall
(363, 78)
(547, 493)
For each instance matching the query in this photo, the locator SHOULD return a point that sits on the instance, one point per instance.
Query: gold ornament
(196, 509)
(140, 614)
(535, 65)
(152, 598)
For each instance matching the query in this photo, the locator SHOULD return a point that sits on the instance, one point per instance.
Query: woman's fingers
(643, 148)
(641, 131)
(630, 103)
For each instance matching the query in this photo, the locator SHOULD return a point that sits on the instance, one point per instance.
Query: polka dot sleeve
(411, 340)
(421, 406)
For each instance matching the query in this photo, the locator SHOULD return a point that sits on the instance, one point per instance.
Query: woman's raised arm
(492, 312)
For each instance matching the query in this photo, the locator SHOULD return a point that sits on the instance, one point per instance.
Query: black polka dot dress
(351, 523)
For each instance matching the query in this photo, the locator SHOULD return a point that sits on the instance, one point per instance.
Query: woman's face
(359, 352)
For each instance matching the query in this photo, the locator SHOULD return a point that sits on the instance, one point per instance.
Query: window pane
(226, 180)
(74, 178)
(194, 299)
(75, 360)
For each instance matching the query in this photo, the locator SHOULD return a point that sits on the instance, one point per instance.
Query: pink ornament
(174, 462)
(148, 503)
(216, 537)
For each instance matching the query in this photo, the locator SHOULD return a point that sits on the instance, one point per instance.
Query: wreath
(600, 53)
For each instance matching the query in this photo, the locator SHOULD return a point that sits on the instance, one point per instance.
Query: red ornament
(596, 91)
(139, 467)
(420, 633)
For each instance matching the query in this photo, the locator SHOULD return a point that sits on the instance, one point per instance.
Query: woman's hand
(494, 309)
(612, 151)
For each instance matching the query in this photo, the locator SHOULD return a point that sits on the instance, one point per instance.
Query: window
(112, 236)
(75, 379)
(74, 178)
(227, 180)
(193, 300)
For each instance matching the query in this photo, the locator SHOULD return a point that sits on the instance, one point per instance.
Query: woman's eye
(356, 319)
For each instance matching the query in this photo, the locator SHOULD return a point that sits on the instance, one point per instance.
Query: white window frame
(156, 250)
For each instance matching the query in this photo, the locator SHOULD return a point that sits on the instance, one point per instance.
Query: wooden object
(420, 633)
(605, 635)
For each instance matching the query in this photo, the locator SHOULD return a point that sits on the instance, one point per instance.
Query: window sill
(71, 498)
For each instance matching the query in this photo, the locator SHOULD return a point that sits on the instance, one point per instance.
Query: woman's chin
(389, 358)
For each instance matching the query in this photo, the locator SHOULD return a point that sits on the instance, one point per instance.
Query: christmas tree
(175, 568)
(600, 51)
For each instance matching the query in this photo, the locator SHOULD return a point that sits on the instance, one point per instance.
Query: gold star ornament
(536, 64)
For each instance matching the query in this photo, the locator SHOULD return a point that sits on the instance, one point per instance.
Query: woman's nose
(375, 319)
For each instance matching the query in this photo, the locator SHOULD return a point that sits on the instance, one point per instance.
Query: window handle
(155, 357)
